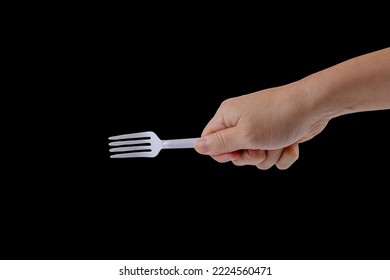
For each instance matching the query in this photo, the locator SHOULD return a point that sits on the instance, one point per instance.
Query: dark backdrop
(107, 74)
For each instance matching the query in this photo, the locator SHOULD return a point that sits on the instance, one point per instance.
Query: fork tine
(131, 135)
(130, 142)
(131, 155)
(126, 149)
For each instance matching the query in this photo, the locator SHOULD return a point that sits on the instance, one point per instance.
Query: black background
(97, 74)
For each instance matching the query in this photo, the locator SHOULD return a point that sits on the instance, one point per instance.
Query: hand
(262, 128)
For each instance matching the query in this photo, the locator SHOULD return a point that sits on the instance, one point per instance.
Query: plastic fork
(145, 144)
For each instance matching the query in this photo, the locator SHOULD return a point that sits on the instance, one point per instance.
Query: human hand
(262, 128)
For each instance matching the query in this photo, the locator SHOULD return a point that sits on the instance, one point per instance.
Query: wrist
(322, 98)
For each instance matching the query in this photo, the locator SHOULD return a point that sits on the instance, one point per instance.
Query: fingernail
(201, 146)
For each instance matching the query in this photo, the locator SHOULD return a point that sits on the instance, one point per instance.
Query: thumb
(219, 142)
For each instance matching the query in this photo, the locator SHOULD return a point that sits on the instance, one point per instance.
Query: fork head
(141, 144)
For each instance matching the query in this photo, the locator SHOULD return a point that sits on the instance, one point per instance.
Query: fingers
(226, 157)
(272, 158)
(282, 158)
(220, 142)
(289, 156)
(250, 157)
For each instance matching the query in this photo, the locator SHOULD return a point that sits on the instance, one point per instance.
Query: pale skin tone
(265, 128)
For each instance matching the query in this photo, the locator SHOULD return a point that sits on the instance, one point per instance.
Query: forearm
(356, 85)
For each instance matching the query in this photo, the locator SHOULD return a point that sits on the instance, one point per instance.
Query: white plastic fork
(145, 144)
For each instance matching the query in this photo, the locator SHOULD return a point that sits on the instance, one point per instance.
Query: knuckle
(295, 152)
(238, 163)
(283, 166)
(264, 166)
(257, 156)
(227, 104)
(220, 142)
(219, 158)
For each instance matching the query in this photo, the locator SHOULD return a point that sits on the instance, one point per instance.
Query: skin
(265, 128)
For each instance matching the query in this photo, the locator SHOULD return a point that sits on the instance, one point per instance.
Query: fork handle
(179, 143)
